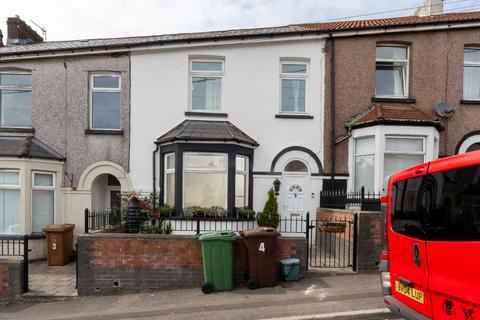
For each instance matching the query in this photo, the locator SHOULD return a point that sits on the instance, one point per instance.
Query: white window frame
(49, 188)
(93, 89)
(168, 171)
(408, 153)
(245, 174)
(294, 76)
(355, 155)
(406, 70)
(203, 170)
(469, 64)
(13, 187)
(16, 88)
(206, 74)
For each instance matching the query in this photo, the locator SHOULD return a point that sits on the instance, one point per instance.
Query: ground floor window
(241, 182)
(364, 163)
(205, 180)
(402, 153)
(169, 183)
(43, 200)
(9, 202)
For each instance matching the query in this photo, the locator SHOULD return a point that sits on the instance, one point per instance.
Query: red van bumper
(396, 307)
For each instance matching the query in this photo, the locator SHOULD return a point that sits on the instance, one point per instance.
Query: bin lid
(58, 227)
(218, 235)
(289, 262)
(260, 232)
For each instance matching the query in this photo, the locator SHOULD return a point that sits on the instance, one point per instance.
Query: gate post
(25, 264)
(355, 240)
(86, 220)
(307, 233)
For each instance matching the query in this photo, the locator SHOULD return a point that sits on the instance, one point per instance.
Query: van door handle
(416, 254)
(405, 282)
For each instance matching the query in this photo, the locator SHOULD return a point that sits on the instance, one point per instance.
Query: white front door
(295, 196)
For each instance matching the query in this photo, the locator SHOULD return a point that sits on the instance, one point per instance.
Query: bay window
(206, 85)
(391, 76)
(16, 100)
(364, 163)
(402, 153)
(471, 74)
(241, 182)
(43, 200)
(205, 179)
(293, 78)
(105, 101)
(9, 201)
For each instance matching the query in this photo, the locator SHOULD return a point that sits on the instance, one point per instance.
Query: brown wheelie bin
(59, 243)
(261, 246)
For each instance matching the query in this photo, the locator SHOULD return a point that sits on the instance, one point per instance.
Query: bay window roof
(378, 114)
(27, 147)
(201, 130)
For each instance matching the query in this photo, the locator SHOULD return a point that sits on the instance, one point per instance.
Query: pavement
(57, 281)
(319, 296)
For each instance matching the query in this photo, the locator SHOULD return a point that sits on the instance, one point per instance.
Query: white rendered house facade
(271, 91)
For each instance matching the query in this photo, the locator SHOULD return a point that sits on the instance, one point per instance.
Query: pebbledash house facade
(217, 118)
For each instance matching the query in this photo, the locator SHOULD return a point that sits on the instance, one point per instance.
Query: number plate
(412, 293)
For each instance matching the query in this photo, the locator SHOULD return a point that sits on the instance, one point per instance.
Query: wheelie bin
(59, 239)
(261, 246)
(217, 254)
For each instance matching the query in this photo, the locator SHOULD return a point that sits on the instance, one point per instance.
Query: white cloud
(73, 19)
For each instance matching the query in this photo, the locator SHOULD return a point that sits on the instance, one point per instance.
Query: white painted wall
(251, 97)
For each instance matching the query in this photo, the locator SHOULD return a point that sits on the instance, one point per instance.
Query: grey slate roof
(27, 147)
(202, 130)
(128, 42)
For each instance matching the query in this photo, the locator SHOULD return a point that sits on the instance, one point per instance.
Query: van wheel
(252, 284)
(207, 288)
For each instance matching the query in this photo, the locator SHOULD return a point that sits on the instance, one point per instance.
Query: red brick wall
(110, 263)
(4, 276)
(10, 280)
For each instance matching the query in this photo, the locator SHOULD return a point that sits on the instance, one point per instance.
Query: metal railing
(341, 199)
(16, 246)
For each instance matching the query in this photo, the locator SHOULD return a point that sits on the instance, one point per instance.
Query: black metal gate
(14, 246)
(332, 242)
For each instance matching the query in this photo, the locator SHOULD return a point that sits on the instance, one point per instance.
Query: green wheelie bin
(217, 254)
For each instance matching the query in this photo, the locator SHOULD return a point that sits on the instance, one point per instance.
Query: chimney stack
(429, 8)
(20, 33)
(1, 38)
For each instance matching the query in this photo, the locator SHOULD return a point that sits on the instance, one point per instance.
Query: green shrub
(168, 229)
(245, 213)
(269, 216)
(165, 210)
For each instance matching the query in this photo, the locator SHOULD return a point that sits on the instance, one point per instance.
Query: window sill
(394, 100)
(17, 130)
(104, 132)
(36, 235)
(293, 116)
(206, 114)
(469, 101)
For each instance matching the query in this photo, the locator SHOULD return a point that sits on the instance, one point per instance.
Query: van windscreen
(442, 206)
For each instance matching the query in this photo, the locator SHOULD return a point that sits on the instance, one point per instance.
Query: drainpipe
(154, 195)
(332, 111)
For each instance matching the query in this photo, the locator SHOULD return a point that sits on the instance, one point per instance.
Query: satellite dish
(444, 109)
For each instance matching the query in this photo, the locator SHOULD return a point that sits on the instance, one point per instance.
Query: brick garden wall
(117, 263)
(10, 280)
(369, 233)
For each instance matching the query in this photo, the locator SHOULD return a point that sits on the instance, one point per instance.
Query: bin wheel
(207, 288)
(252, 284)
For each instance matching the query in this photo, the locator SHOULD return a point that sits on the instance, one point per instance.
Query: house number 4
(261, 247)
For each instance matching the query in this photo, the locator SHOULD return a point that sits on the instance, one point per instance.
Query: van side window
(407, 213)
(442, 206)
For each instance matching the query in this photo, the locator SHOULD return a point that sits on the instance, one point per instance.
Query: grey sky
(76, 19)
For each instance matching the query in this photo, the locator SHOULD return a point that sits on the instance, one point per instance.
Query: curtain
(471, 83)
(9, 211)
(206, 93)
(293, 95)
(364, 172)
(205, 189)
(42, 209)
(398, 162)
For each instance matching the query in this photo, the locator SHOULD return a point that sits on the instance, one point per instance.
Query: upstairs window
(105, 101)
(293, 77)
(391, 76)
(206, 85)
(471, 74)
(16, 100)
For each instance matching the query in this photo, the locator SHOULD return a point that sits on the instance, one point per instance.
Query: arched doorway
(106, 192)
(296, 186)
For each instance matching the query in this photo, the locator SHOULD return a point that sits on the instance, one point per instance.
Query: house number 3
(261, 247)
(54, 246)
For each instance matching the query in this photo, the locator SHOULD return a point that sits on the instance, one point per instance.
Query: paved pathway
(47, 280)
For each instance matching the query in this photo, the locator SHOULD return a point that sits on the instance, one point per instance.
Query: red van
(430, 267)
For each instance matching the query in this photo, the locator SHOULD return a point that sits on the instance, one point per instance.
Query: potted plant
(269, 216)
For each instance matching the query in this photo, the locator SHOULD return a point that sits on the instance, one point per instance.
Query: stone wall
(10, 280)
(118, 263)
